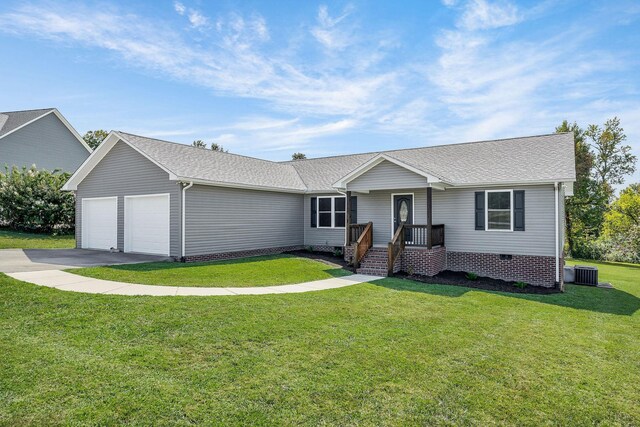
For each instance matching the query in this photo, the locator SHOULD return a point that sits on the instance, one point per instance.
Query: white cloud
(179, 8)
(482, 15)
(197, 19)
(329, 33)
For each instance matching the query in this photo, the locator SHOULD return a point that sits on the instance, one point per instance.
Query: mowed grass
(255, 271)
(19, 240)
(394, 352)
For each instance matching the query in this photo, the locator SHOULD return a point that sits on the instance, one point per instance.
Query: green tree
(94, 138)
(198, 143)
(298, 156)
(622, 225)
(582, 213)
(613, 161)
(624, 213)
(218, 147)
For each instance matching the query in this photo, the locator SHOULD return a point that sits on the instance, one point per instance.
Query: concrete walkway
(75, 283)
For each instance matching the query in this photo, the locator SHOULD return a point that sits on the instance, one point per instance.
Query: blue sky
(270, 78)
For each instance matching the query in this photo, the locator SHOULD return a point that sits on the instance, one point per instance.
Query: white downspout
(555, 186)
(345, 214)
(184, 215)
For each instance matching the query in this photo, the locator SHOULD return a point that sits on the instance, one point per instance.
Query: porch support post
(348, 218)
(429, 217)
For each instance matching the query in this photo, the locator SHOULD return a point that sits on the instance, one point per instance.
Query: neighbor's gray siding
(125, 172)
(320, 236)
(222, 219)
(387, 176)
(455, 209)
(47, 143)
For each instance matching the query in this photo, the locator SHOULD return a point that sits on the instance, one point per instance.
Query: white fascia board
(27, 123)
(92, 161)
(236, 185)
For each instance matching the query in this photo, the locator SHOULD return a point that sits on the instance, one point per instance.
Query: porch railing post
(348, 218)
(429, 217)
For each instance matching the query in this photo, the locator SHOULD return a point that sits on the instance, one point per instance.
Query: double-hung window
(499, 205)
(331, 212)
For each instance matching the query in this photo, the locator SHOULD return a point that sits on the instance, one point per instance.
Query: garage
(146, 224)
(100, 223)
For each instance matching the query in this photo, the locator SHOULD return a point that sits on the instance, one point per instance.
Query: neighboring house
(494, 208)
(43, 138)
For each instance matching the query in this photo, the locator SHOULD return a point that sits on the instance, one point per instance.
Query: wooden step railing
(395, 248)
(363, 244)
(355, 231)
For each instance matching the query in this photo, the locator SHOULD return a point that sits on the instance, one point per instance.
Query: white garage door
(100, 223)
(146, 224)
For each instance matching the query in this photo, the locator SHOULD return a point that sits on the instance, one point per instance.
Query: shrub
(471, 276)
(520, 285)
(32, 200)
(337, 252)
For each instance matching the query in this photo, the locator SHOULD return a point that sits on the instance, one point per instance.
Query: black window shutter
(518, 210)
(354, 209)
(314, 212)
(479, 210)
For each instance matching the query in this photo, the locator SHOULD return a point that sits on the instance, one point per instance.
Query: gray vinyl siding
(47, 143)
(125, 172)
(320, 236)
(376, 207)
(455, 209)
(387, 176)
(220, 219)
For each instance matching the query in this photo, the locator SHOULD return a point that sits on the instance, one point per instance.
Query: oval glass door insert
(404, 211)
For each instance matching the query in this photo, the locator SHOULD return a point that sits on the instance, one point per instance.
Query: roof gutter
(184, 216)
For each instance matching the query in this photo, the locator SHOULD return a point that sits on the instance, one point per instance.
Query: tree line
(600, 224)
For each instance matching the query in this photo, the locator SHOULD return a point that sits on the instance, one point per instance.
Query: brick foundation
(534, 270)
(348, 253)
(323, 248)
(241, 254)
(427, 262)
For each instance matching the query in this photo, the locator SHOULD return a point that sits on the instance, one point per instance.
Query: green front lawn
(256, 271)
(20, 240)
(394, 352)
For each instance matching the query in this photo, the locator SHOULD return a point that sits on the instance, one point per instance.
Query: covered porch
(389, 213)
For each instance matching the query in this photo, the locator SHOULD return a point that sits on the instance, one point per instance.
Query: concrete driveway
(18, 260)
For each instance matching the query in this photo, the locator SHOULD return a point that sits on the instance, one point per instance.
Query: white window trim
(486, 209)
(333, 210)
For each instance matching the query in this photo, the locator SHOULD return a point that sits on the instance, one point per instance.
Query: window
(499, 207)
(331, 212)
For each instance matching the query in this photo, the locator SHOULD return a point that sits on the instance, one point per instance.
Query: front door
(402, 213)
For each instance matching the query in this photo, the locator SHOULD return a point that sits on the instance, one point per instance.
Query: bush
(32, 200)
(520, 285)
(617, 249)
(471, 276)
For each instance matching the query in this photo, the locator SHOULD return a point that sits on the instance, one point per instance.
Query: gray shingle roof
(527, 159)
(203, 164)
(10, 120)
